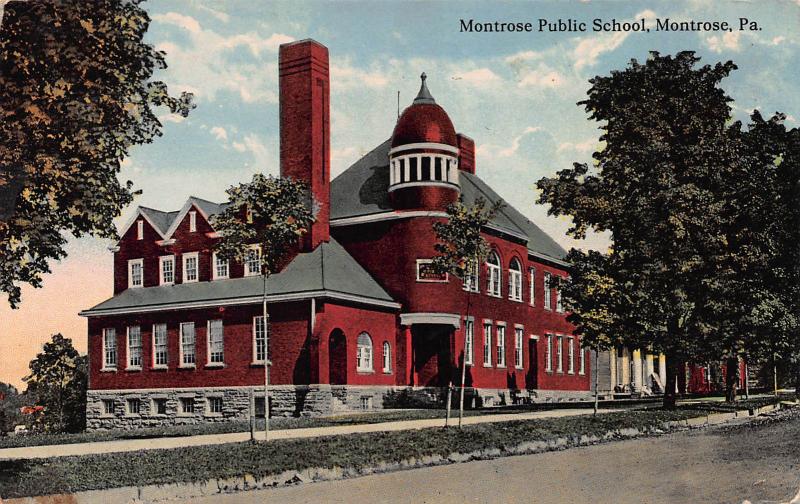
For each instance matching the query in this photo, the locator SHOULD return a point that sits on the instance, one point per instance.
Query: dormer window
(140, 229)
(136, 273)
(192, 221)
(190, 269)
(252, 264)
(167, 269)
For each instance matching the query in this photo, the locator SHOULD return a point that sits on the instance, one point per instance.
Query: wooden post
(596, 380)
(251, 410)
(449, 398)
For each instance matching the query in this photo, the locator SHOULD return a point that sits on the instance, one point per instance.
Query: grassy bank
(71, 474)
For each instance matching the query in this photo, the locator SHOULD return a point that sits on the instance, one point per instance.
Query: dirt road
(755, 462)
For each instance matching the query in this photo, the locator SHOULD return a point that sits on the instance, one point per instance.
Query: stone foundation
(288, 401)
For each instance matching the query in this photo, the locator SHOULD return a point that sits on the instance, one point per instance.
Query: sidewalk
(63, 450)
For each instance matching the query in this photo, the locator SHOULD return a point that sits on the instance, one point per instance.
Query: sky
(515, 93)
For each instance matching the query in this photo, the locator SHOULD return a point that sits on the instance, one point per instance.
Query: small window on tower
(413, 172)
(426, 168)
(437, 169)
(402, 177)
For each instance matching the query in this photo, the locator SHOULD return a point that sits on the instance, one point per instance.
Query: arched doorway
(337, 358)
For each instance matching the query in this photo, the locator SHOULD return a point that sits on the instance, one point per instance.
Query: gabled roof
(326, 272)
(158, 219)
(362, 190)
(165, 223)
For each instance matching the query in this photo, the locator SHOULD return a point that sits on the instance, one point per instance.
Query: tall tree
(655, 189)
(263, 221)
(76, 93)
(461, 251)
(58, 382)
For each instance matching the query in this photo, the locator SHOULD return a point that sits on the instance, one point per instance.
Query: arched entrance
(337, 358)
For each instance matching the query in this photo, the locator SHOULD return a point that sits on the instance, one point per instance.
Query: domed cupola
(423, 160)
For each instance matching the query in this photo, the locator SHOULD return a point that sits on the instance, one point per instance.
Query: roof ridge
(203, 199)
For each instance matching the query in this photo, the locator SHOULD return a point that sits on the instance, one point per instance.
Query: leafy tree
(462, 249)
(270, 213)
(76, 93)
(655, 188)
(58, 382)
(10, 403)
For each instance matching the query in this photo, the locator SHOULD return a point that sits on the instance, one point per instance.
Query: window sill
(108, 370)
(215, 365)
(189, 281)
(212, 415)
(259, 363)
(159, 367)
(166, 283)
(187, 366)
(515, 300)
(185, 415)
(220, 278)
(133, 368)
(519, 367)
(487, 365)
(133, 415)
(501, 366)
(493, 295)
(387, 371)
(365, 371)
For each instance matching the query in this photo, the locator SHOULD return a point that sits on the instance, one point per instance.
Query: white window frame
(182, 402)
(532, 286)
(181, 343)
(212, 358)
(500, 337)
(473, 273)
(216, 262)
(133, 400)
(156, 353)
(547, 291)
(364, 354)
(387, 357)
(154, 406)
(192, 221)
(247, 263)
(106, 410)
(519, 342)
(129, 354)
(469, 341)
(131, 263)
(582, 360)
(258, 320)
(185, 259)
(140, 229)
(487, 343)
(515, 280)
(559, 302)
(161, 261)
(107, 365)
(570, 355)
(560, 353)
(209, 402)
(548, 363)
(494, 275)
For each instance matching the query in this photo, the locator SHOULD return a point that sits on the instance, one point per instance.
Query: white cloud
(221, 16)
(542, 77)
(493, 151)
(480, 77)
(173, 118)
(261, 159)
(219, 133)
(346, 76)
(522, 56)
(188, 23)
(778, 40)
(585, 146)
(588, 49)
(728, 41)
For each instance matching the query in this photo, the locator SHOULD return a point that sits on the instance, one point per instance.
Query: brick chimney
(305, 127)
(466, 153)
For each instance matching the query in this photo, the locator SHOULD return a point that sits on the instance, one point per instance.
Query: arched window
(471, 280)
(493, 266)
(387, 357)
(364, 356)
(515, 280)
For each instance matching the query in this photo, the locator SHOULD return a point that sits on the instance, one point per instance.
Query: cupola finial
(424, 96)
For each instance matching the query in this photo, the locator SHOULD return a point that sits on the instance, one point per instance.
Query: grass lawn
(71, 474)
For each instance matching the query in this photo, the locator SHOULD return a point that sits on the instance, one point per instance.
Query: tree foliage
(269, 211)
(58, 382)
(76, 93)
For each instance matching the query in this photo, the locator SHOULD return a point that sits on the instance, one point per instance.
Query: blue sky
(514, 93)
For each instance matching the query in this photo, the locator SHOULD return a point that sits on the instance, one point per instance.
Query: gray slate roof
(162, 220)
(328, 268)
(362, 190)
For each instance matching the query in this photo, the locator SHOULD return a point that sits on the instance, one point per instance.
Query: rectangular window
(559, 304)
(547, 292)
(518, 341)
(515, 284)
(134, 406)
(366, 402)
(140, 230)
(134, 347)
(469, 337)
(187, 405)
(109, 348)
(560, 354)
(548, 356)
(487, 344)
(216, 342)
(259, 339)
(532, 275)
(252, 265)
(108, 406)
(220, 267)
(159, 345)
(582, 362)
(215, 405)
(501, 346)
(494, 279)
(471, 280)
(160, 406)
(187, 344)
(135, 272)
(190, 267)
(570, 355)
(192, 221)
(166, 265)
(387, 357)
